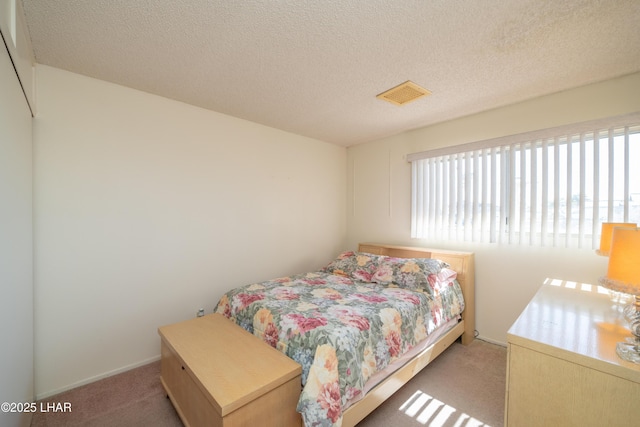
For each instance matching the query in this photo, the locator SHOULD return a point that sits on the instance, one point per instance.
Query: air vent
(404, 93)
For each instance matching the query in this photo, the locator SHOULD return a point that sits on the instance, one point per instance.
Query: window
(549, 188)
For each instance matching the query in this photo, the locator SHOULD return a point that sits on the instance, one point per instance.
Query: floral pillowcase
(411, 273)
(355, 265)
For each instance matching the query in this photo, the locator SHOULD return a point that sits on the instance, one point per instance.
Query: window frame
(508, 220)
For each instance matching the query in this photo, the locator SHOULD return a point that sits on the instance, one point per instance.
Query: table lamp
(623, 275)
(603, 250)
(605, 235)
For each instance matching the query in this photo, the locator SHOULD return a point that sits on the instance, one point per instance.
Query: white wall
(16, 237)
(147, 209)
(506, 276)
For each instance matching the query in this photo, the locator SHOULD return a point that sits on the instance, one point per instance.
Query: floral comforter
(345, 322)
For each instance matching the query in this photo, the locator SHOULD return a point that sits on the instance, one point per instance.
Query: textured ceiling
(315, 67)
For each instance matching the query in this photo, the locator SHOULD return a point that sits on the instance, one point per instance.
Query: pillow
(411, 273)
(360, 266)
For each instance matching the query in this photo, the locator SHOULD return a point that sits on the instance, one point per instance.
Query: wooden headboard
(461, 262)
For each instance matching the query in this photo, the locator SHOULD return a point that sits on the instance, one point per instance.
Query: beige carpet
(463, 387)
(134, 398)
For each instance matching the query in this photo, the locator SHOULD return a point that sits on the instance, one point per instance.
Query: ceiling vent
(404, 93)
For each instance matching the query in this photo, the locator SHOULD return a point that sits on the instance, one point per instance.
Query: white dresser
(562, 367)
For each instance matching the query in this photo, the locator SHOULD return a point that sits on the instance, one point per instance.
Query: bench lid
(230, 365)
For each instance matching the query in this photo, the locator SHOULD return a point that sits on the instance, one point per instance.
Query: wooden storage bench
(218, 374)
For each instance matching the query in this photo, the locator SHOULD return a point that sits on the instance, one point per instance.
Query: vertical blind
(546, 188)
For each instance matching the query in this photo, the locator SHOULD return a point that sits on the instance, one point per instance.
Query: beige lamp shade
(623, 273)
(606, 234)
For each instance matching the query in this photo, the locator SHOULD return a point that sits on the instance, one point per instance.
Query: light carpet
(463, 387)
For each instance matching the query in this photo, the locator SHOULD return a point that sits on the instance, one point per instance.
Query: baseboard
(97, 378)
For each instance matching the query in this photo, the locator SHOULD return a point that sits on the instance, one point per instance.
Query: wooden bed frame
(194, 367)
(463, 264)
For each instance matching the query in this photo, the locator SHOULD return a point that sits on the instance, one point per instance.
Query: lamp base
(629, 351)
(630, 311)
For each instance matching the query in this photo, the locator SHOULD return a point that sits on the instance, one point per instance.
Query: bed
(362, 326)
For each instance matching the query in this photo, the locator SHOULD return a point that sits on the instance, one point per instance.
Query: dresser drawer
(562, 367)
